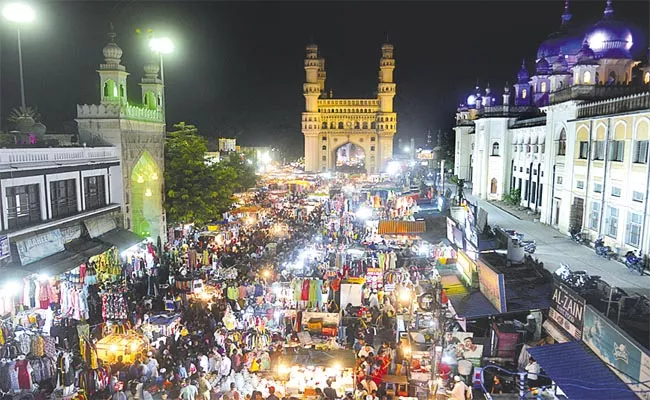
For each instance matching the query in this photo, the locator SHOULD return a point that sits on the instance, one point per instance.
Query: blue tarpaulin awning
(580, 373)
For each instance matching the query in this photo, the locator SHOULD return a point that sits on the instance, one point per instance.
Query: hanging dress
(24, 374)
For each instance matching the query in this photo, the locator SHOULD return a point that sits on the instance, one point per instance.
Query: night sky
(238, 68)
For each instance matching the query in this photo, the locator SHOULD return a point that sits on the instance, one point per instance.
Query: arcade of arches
(350, 158)
(146, 197)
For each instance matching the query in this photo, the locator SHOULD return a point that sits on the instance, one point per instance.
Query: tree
(244, 171)
(195, 191)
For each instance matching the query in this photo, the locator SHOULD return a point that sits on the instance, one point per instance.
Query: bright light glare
(364, 213)
(393, 167)
(161, 45)
(43, 277)
(404, 295)
(283, 369)
(249, 161)
(19, 12)
(265, 157)
(12, 288)
(406, 149)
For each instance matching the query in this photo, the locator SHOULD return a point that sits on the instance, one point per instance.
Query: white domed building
(572, 138)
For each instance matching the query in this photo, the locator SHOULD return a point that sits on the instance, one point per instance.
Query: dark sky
(238, 68)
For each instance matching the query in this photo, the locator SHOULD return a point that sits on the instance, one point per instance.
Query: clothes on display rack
(114, 306)
(74, 301)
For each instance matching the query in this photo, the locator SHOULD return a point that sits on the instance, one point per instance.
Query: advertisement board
(71, 232)
(465, 266)
(567, 309)
(450, 229)
(459, 240)
(492, 285)
(4, 247)
(40, 246)
(98, 226)
(629, 360)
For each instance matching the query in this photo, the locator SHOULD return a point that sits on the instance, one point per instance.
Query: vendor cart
(396, 385)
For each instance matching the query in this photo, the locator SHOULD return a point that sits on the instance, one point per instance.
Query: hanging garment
(305, 290)
(24, 374)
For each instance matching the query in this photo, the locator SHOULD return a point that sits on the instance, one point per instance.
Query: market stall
(127, 345)
(304, 370)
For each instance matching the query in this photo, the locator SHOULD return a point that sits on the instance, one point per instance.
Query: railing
(347, 102)
(56, 155)
(640, 101)
(508, 111)
(523, 123)
(594, 92)
(126, 111)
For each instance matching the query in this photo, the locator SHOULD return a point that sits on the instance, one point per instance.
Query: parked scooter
(602, 250)
(634, 262)
(529, 246)
(580, 281)
(576, 235)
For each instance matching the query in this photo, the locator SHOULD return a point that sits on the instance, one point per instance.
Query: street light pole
(20, 65)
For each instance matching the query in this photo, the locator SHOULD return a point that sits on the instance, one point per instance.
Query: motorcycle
(634, 262)
(580, 281)
(529, 246)
(576, 235)
(602, 250)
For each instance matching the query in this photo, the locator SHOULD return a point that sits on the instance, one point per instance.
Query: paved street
(554, 248)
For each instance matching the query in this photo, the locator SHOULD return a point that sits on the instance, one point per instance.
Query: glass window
(594, 215)
(559, 180)
(580, 184)
(599, 150)
(640, 155)
(63, 198)
(23, 206)
(611, 228)
(616, 150)
(561, 144)
(637, 196)
(495, 148)
(524, 93)
(584, 150)
(543, 87)
(633, 231)
(598, 187)
(586, 77)
(616, 191)
(324, 147)
(95, 192)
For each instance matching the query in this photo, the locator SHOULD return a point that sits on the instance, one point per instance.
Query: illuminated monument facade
(138, 131)
(348, 135)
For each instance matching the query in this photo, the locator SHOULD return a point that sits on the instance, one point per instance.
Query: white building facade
(572, 139)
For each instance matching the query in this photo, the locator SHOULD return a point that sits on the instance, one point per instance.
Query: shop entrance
(146, 197)
(351, 158)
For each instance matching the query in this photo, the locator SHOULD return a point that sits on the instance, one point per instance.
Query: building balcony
(30, 157)
(634, 102)
(508, 112)
(123, 111)
(595, 92)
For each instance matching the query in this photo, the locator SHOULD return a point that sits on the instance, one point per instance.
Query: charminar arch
(328, 124)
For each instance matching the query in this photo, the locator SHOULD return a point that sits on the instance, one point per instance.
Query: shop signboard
(629, 360)
(567, 309)
(450, 229)
(458, 214)
(40, 246)
(492, 285)
(461, 346)
(465, 266)
(100, 225)
(459, 240)
(71, 232)
(4, 247)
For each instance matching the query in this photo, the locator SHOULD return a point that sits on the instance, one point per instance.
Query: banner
(567, 309)
(40, 246)
(100, 225)
(460, 346)
(629, 360)
(465, 266)
(450, 229)
(492, 285)
(71, 232)
(5, 250)
(459, 240)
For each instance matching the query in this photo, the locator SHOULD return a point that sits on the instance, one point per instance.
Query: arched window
(646, 78)
(524, 93)
(372, 139)
(324, 125)
(561, 143)
(495, 148)
(586, 77)
(340, 125)
(357, 125)
(332, 125)
(373, 125)
(159, 100)
(543, 87)
(372, 148)
(324, 147)
(110, 89)
(493, 185)
(365, 125)
(122, 91)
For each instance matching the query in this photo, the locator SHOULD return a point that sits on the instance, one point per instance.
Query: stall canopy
(319, 358)
(579, 373)
(120, 238)
(401, 227)
(88, 248)
(56, 264)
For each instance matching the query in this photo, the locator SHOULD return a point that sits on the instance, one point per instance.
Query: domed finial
(111, 33)
(566, 17)
(609, 10)
(112, 52)
(506, 88)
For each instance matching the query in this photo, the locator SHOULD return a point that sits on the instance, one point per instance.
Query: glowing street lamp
(162, 46)
(19, 13)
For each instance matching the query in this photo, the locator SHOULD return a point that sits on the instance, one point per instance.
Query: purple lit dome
(560, 66)
(586, 55)
(542, 67)
(560, 42)
(610, 38)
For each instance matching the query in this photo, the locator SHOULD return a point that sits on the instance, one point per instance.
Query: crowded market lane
(554, 249)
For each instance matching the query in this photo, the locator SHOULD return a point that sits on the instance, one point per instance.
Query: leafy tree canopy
(196, 191)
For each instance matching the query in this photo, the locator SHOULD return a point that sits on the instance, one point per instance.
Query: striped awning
(401, 227)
